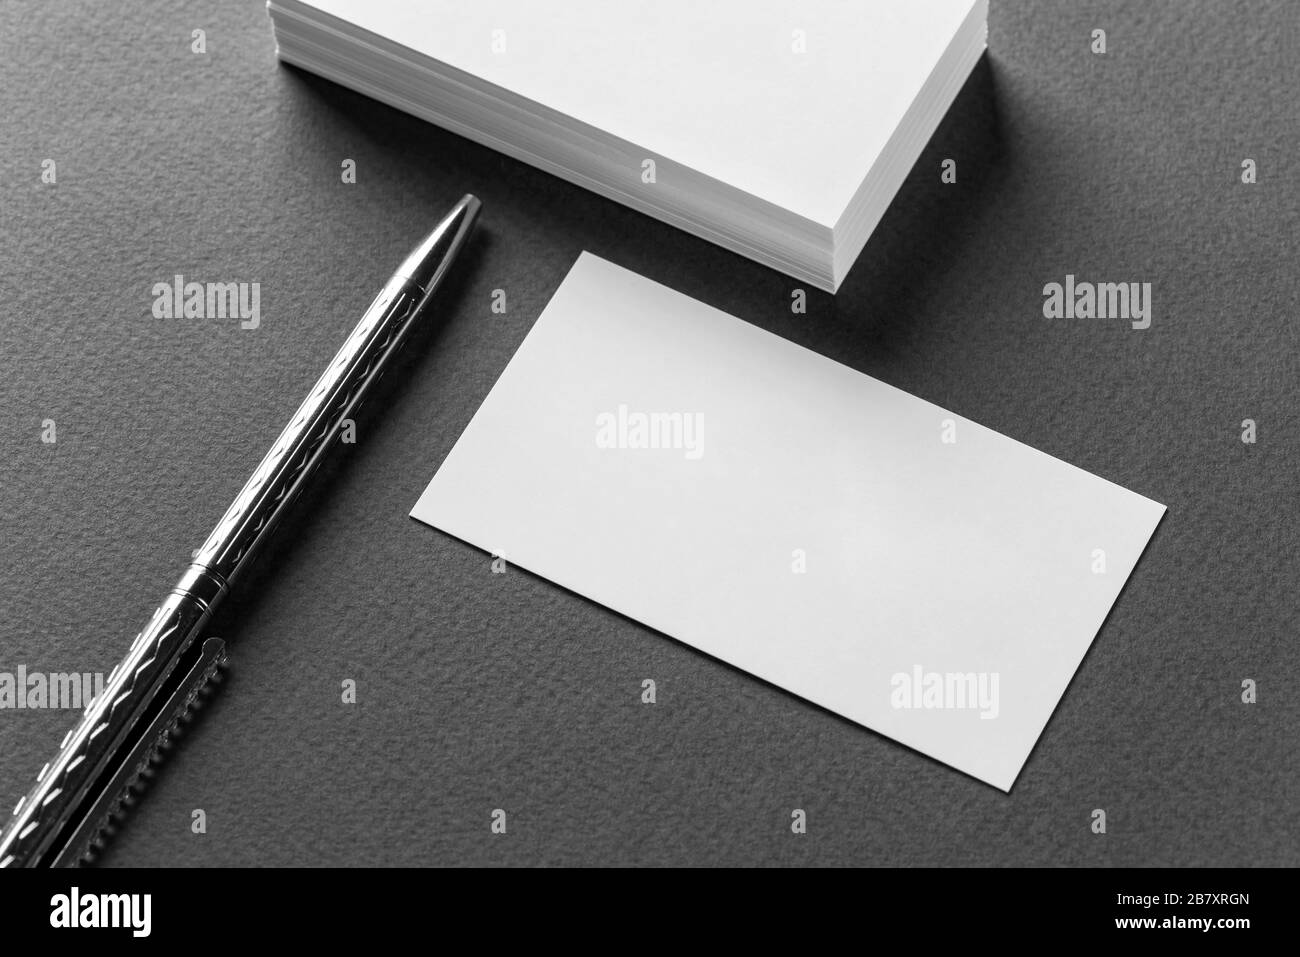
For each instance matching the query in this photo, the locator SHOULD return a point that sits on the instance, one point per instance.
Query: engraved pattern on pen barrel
(336, 395)
(296, 453)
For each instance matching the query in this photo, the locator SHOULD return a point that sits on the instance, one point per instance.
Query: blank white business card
(869, 551)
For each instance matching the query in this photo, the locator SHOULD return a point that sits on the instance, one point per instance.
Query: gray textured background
(480, 691)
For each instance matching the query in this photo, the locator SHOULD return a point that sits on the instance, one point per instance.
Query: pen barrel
(314, 427)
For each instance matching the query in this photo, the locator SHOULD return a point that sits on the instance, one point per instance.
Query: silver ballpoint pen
(77, 793)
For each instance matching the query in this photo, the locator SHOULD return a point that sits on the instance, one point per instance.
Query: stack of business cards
(778, 130)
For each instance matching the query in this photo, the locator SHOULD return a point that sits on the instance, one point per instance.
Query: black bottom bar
(988, 907)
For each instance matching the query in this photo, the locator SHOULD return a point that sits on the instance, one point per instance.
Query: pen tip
(429, 260)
